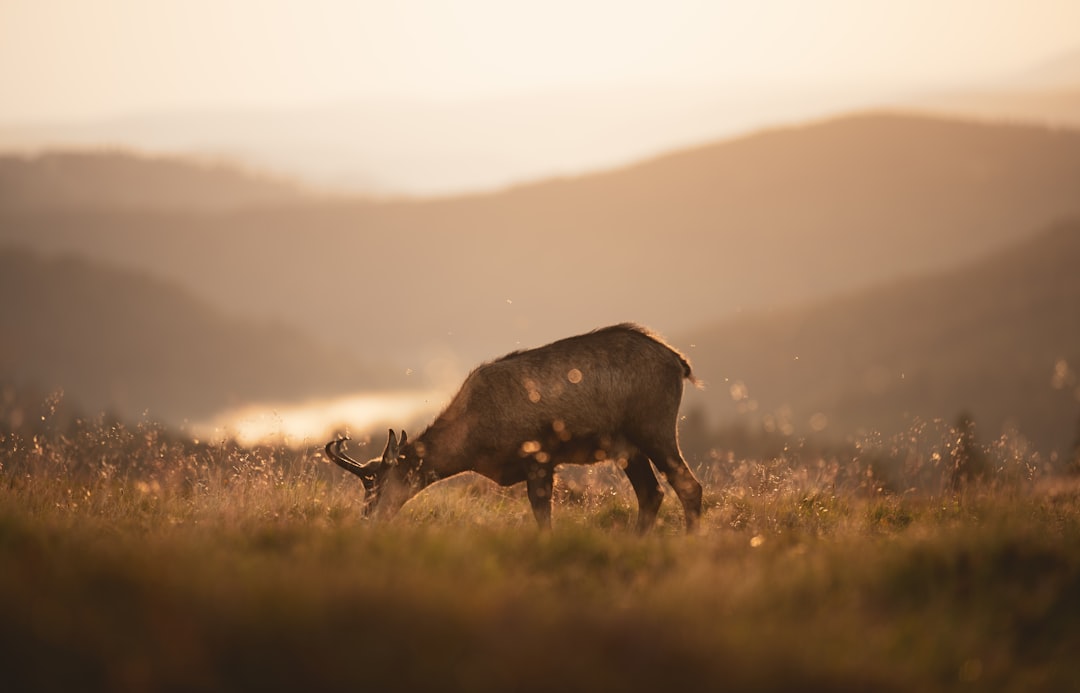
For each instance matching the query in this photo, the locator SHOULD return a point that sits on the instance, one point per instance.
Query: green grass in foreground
(129, 562)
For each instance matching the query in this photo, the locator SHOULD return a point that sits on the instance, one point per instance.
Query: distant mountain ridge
(427, 147)
(126, 343)
(782, 216)
(381, 145)
(128, 181)
(998, 338)
(1054, 107)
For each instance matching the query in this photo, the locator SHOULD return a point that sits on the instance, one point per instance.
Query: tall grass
(131, 559)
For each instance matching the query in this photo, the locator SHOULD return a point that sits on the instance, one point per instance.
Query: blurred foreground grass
(132, 561)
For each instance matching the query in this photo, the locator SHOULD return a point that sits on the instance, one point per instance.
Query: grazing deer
(613, 393)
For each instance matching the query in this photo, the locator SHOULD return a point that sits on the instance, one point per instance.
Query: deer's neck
(442, 449)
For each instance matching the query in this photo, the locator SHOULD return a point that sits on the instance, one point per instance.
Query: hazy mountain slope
(117, 180)
(1052, 107)
(999, 338)
(784, 215)
(125, 342)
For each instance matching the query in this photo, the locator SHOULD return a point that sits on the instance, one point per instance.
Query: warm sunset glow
(796, 278)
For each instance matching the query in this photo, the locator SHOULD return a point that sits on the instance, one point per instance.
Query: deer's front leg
(539, 484)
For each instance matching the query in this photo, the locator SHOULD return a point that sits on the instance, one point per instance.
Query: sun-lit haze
(440, 97)
(308, 423)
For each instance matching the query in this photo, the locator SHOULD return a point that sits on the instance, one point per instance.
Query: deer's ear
(390, 452)
(404, 439)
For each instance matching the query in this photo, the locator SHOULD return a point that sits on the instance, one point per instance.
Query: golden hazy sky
(64, 59)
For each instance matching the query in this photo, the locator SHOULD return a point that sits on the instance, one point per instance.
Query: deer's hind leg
(647, 488)
(667, 457)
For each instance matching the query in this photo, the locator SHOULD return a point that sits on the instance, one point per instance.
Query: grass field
(132, 561)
